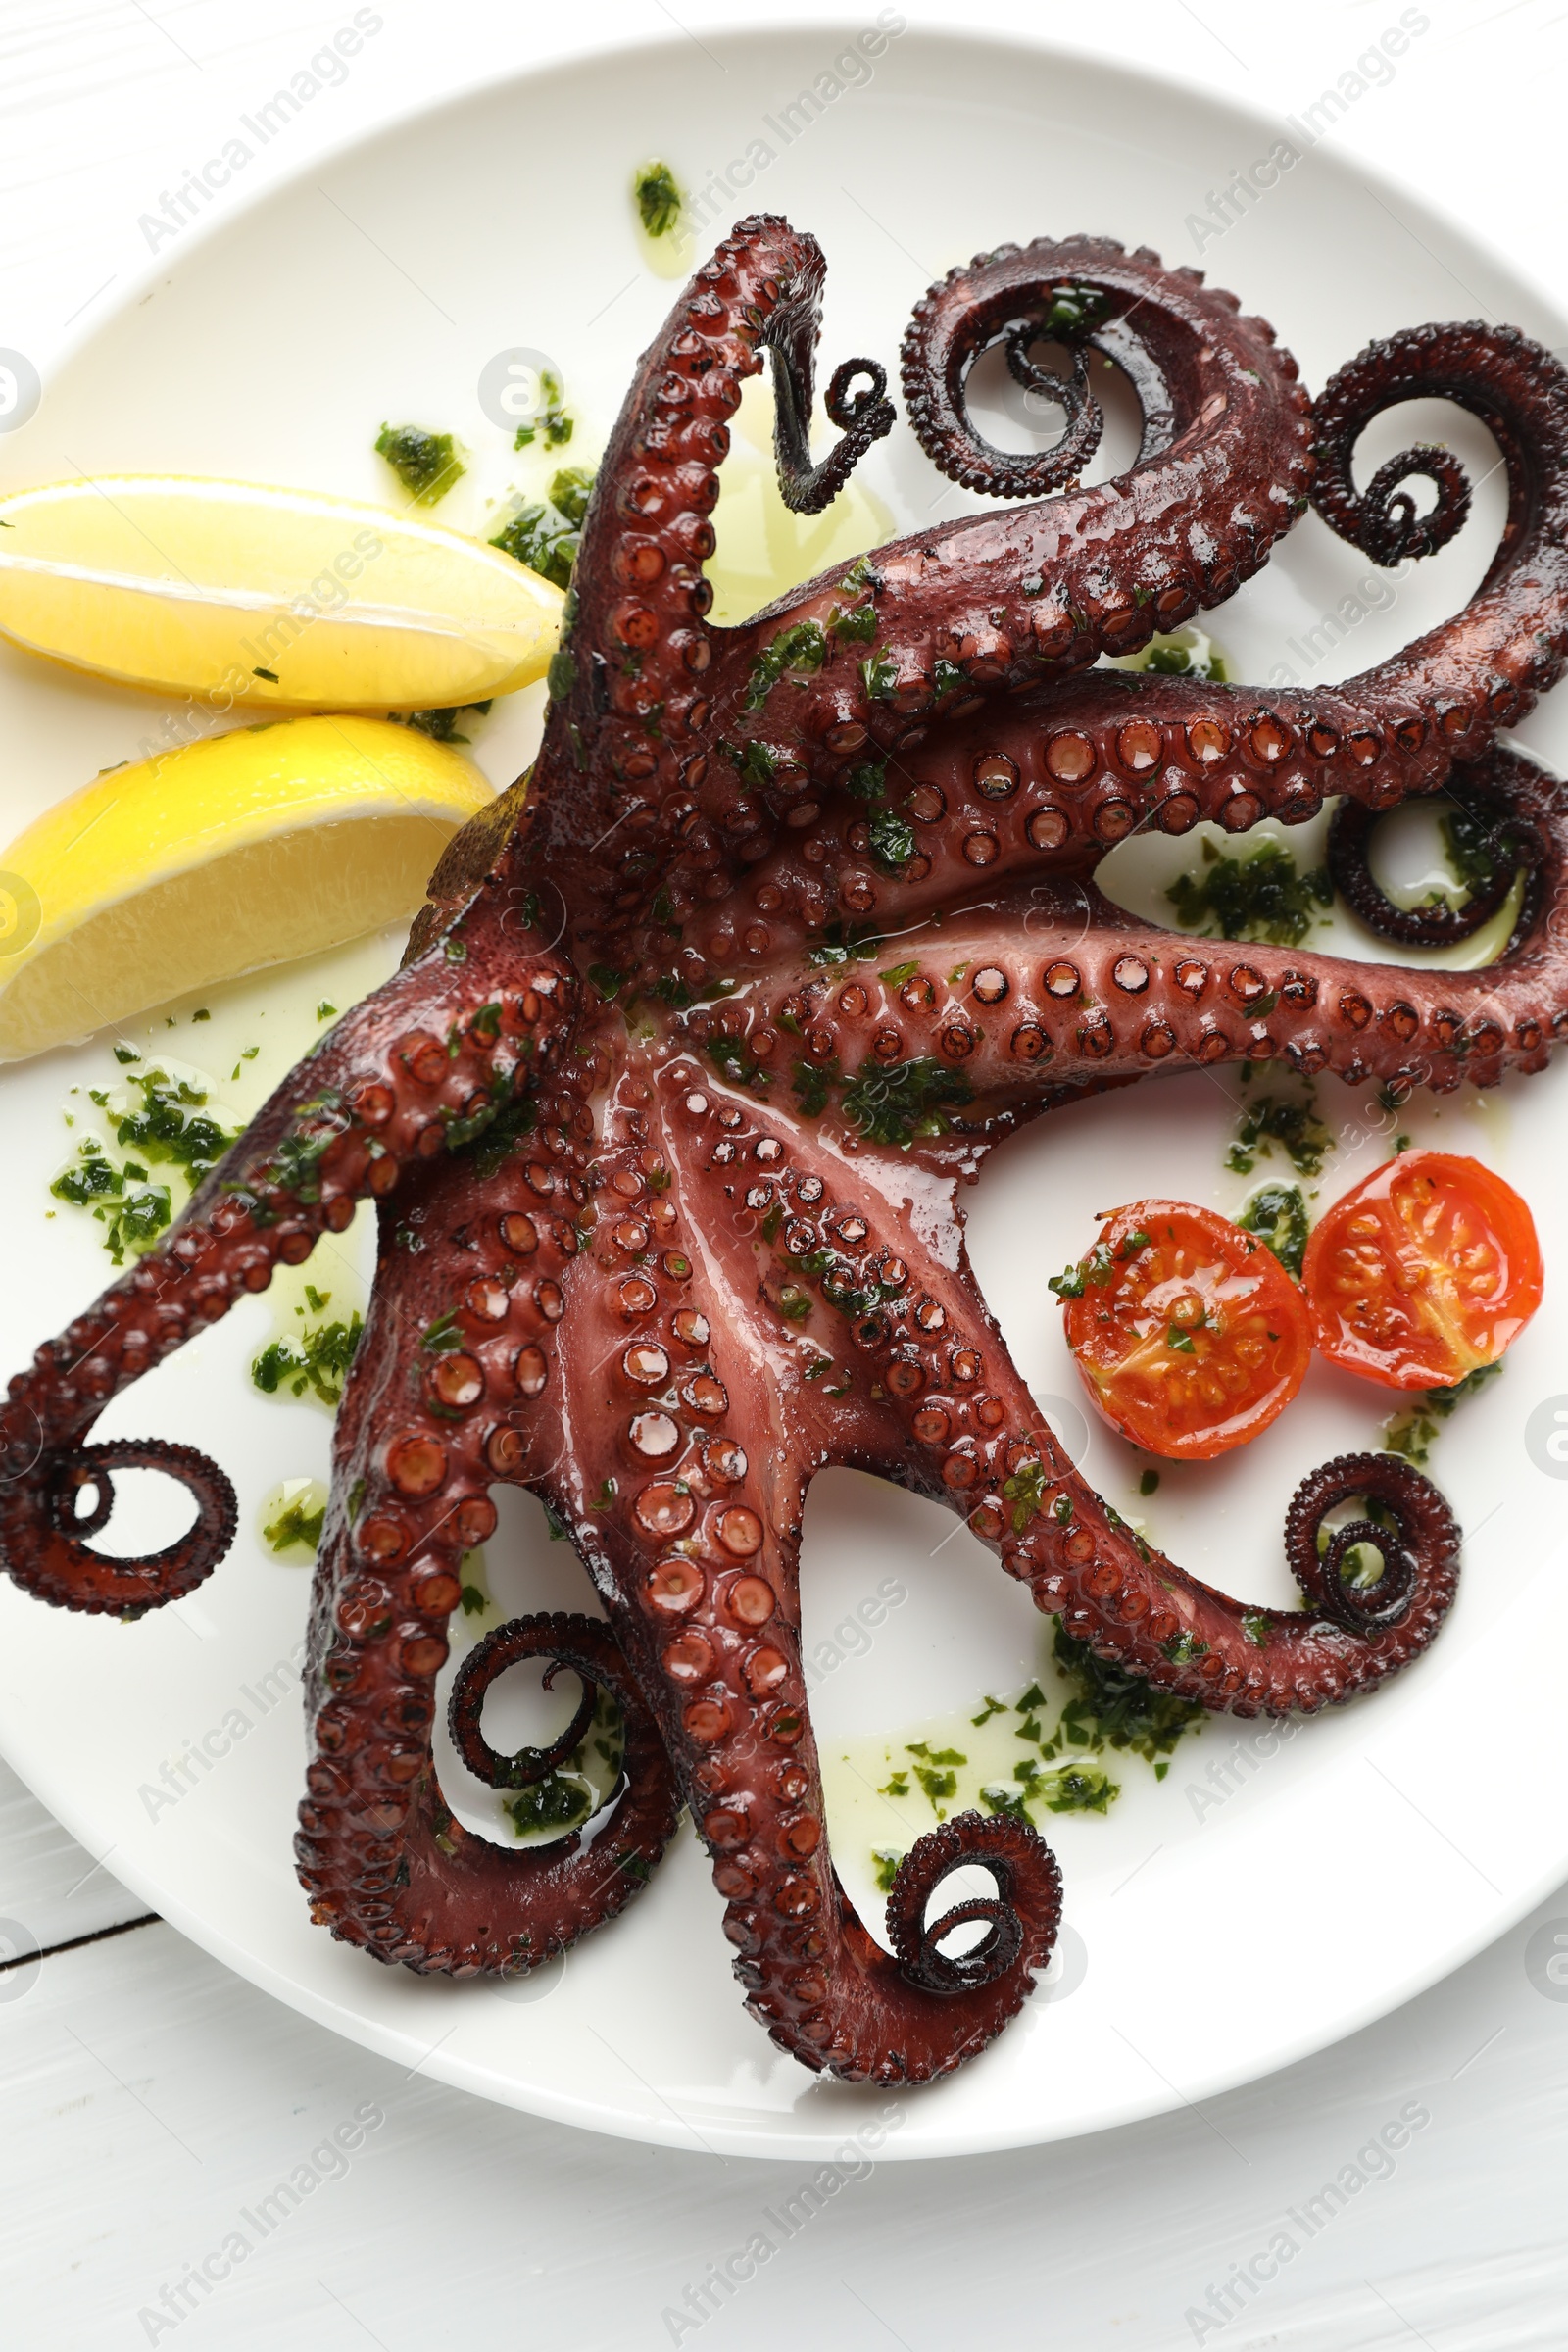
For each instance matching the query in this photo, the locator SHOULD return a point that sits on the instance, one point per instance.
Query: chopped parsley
(1478, 851)
(1116, 1708)
(553, 422)
(795, 652)
(1025, 1491)
(657, 198)
(811, 1088)
(934, 1769)
(1260, 895)
(857, 625)
(891, 840)
(297, 1528)
(887, 1859)
(440, 725)
(1179, 654)
(732, 1055)
(317, 1358)
(545, 539)
(171, 1129)
(569, 492)
(556, 1803)
(1074, 310)
(426, 464)
(1412, 1433)
(860, 943)
(1277, 1214)
(896, 1103)
(1097, 1269)
(1077, 1788)
(1293, 1123)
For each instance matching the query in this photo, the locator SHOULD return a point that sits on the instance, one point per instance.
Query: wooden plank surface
(152, 2104)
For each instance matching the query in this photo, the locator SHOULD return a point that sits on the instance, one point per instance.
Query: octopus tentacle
(1443, 924)
(867, 417)
(1423, 1527)
(1509, 644)
(42, 1533)
(990, 602)
(971, 1436)
(632, 685)
(693, 1540)
(1024, 1887)
(385, 1863)
(425, 1063)
(576, 1642)
(1021, 995)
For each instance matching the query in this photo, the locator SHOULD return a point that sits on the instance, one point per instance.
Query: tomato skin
(1424, 1271)
(1244, 1336)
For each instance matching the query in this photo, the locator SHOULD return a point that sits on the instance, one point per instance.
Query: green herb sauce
(319, 1361)
(1260, 895)
(1293, 1123)
(893, 1104)
(296, 1525)
(657, 194)
(1115, 1708)
(172, 1129)
(1413, 1433)
(545, 538)
(426, 464)
(1277, 1214)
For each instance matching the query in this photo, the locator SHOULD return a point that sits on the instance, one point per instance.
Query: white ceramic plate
(1269, 1895)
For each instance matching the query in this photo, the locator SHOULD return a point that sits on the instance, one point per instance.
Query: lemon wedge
(250, 849)
(229, 592)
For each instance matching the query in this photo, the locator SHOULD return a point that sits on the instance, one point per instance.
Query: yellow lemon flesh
(229, 592)
(248, 850)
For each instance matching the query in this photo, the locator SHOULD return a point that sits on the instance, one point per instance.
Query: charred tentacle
(1416, 1539)
(1504, 843)
(1024, 1912)
(43, 1533)
(865, 418)
(584, 1647)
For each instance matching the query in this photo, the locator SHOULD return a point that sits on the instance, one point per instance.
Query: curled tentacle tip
(582, 1644)
(1020, 1919)
(1384, 521)
(864, 418)
(1505, 841)
(1414, 1534)
(43, 1529)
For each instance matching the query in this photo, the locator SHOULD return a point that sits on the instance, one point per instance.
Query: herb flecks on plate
(426, 464)
(1262, 895)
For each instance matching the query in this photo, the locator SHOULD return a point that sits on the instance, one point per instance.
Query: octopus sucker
(678, 1023)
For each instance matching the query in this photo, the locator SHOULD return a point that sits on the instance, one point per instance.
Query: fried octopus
(666, 1110)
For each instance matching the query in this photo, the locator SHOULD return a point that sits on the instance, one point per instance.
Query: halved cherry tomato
(1426, 1271)
(1188, 1333)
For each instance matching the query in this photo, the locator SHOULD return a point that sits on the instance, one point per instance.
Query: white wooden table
(148, 2098)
